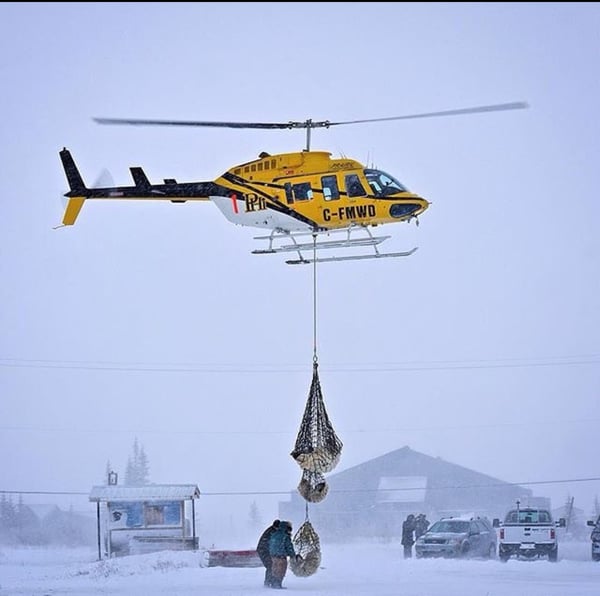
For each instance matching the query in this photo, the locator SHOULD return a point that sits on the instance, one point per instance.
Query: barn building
(372, 499)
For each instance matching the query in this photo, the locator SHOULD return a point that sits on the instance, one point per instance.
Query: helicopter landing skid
(348, 242)
(303, 261)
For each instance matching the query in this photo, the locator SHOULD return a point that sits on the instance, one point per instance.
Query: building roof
(407, 463)
(415, 480)
(374, 497)
(150, 492)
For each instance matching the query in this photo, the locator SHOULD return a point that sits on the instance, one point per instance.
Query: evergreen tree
(8, 520)
(570, 514)
(255, 519)
(129, 472)
(8, 513)
(107, 471)
(143, 467)
(29, 530)
(137, 470)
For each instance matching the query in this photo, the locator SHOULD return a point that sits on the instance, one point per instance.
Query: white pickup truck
(528, 532)
(595, 538)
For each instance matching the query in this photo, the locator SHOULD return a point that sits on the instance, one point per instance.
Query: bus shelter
(139, 519)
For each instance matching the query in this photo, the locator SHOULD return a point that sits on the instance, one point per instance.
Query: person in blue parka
(262, 548)
(280, 548)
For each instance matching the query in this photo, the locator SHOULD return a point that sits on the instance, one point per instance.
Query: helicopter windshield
(383, 184)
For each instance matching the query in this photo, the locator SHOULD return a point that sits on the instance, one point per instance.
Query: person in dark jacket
(280, 548)
(421, 525)
(262, 549)
(408, 535)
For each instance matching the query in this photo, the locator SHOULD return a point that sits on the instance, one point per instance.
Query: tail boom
(171, 190)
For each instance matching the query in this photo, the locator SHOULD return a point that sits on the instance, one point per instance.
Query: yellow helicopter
(293, 195)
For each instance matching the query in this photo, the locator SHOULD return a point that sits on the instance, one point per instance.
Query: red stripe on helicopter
(234, 203)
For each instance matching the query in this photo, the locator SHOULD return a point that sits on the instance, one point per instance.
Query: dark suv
(458, 537)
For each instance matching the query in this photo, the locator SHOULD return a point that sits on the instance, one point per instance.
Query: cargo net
(313, 486)
(306, 544)
(317, 448)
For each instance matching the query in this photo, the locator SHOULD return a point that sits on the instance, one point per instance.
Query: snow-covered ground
(355, 569)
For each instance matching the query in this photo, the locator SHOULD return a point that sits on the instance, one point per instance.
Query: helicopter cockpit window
(354, 187)
(330, 188)
(383, 184)
(302, 191)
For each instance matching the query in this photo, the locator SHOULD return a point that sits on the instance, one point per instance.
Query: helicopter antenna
(309, 124)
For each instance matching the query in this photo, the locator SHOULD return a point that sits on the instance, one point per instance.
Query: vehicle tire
(465, 550)
(491, 554)
(553, 555)
(503, 557)
(595, 557)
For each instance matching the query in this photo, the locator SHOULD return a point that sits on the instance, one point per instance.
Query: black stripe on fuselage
(272, 203)
(179, 190)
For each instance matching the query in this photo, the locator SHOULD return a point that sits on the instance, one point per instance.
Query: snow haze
(156, 322)
(346, 570)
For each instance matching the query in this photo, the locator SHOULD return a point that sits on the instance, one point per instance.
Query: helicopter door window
(330, 188)
(289, 197)
(302, 191)
(354, 187)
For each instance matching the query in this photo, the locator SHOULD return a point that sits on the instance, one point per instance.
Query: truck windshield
(456, 527)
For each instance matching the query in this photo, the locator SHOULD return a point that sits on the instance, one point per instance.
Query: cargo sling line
(317, 451)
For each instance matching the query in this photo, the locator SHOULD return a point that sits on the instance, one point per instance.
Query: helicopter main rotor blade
(263, 125)
(309, 123)
(518, 105)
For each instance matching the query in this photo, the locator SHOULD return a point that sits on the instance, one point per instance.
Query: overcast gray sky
(155, 321)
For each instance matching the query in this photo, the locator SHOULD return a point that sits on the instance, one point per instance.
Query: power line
(43, 492)
(420, 488)
(297, 368)
(436, 428)
(333, 490)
